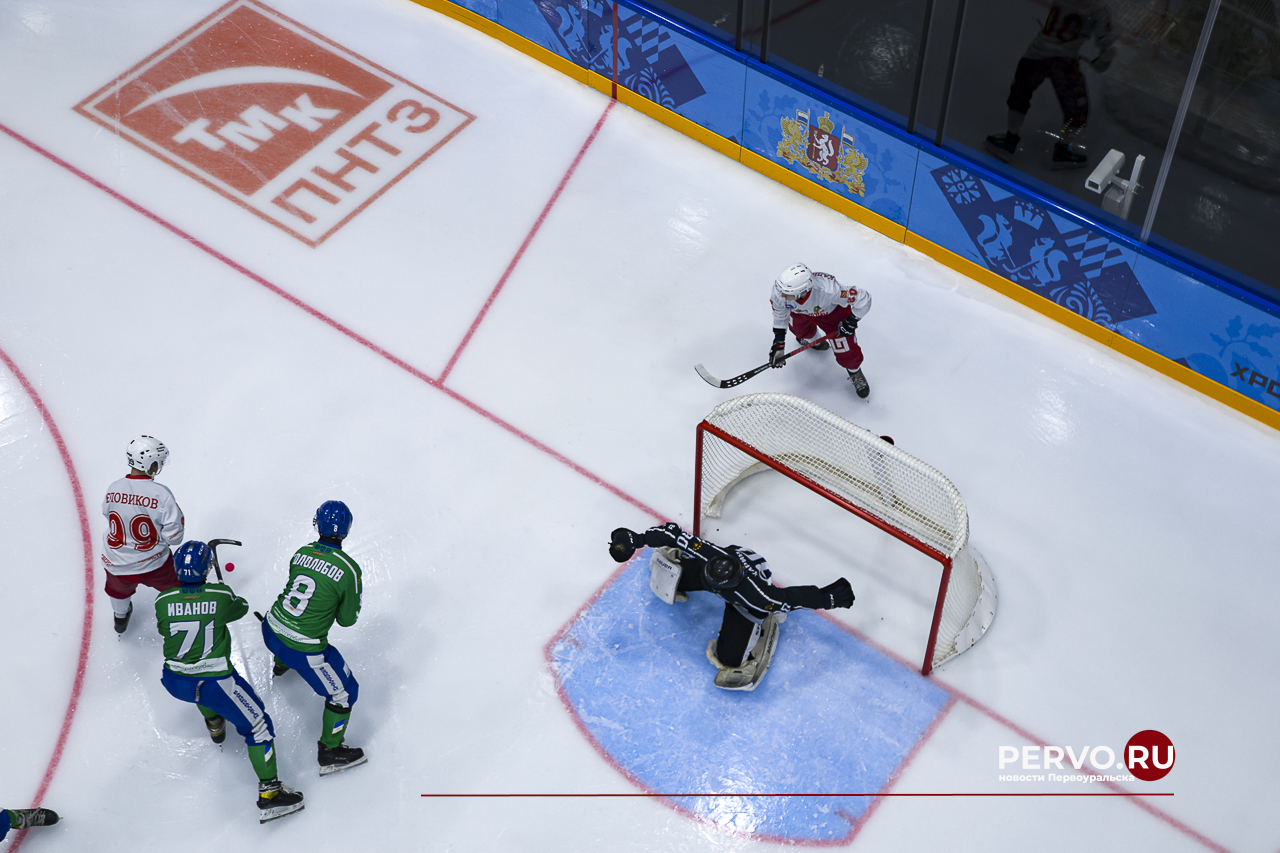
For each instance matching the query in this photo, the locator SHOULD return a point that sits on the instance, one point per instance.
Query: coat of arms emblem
(817, 147)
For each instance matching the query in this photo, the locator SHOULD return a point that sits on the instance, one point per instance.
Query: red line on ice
(351, 333)
(542, 217)
(86, 625)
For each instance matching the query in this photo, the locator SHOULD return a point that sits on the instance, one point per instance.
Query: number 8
(295, 603)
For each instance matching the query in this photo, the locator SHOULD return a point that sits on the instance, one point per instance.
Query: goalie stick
(213, 547)
(739, 379)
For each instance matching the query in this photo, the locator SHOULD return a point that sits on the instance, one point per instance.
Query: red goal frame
(933, 553)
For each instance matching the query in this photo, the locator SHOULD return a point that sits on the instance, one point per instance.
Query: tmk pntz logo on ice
(277, 118)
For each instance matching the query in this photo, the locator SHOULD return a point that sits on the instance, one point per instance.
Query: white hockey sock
(120, 606)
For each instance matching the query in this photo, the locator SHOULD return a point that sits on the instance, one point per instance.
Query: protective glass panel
(1222, 197)
(867, 50)
(1072, 80)
(717, 18)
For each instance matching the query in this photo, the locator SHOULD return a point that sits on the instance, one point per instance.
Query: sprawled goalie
(753, 606)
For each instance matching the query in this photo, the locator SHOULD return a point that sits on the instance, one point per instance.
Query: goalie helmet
(794, 280)
(333, 520)
(191, 563)
(722, 573)
(144, 452)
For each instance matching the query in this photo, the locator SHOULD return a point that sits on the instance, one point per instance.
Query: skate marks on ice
(833, 717)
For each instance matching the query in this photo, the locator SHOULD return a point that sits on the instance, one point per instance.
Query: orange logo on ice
(277, 118)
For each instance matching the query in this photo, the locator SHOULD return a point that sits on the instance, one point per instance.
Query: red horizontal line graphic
(877, 794)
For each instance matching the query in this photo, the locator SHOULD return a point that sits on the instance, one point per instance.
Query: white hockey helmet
(794, 280)
(146, 452)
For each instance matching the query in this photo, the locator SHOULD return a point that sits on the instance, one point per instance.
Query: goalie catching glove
(840, 594)
(624, 543)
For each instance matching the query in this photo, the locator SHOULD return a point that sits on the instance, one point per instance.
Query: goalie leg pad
(749, 675)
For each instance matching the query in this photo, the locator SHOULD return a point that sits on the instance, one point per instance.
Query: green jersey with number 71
(193, 622)
(324, 586)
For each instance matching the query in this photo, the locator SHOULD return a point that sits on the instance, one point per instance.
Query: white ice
(1129, 521)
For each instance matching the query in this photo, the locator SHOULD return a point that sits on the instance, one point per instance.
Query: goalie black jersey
(755, 597)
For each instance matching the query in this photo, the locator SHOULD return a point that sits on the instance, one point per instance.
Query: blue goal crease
(834, 715)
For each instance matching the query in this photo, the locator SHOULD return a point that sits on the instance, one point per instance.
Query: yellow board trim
(1161, 364)
(824, 196)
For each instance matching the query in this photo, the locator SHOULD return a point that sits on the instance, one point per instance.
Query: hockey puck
(231, 567)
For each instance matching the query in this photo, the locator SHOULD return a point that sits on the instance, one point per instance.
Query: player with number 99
(143, 523)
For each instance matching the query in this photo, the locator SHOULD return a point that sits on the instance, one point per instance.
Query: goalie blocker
(753, 607)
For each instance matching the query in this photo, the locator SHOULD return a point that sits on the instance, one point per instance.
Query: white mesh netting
(854, 464)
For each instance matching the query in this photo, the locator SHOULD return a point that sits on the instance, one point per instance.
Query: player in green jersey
(324, 586)
(192, 619)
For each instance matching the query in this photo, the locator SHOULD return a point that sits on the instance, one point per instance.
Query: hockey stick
(213, 546)
(738, 380)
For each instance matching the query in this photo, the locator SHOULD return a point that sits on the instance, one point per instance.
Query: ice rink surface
(492, 365)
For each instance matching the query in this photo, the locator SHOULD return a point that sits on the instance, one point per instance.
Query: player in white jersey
(1055, 54)
(815, 304)
(144, 524)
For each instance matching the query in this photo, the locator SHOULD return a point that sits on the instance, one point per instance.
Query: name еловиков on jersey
(126, 499)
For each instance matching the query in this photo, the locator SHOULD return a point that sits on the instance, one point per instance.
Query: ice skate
(1002, 147)
(824, 345)
(122, 622)
(278, 668)
(27, 818)
(738, 677)
(1066, 156)
(711, 655)
(217, 727)
(340, 757)
(732, 677)
(860, 386)
(275, 800)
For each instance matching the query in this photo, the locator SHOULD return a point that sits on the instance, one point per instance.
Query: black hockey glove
(840, 594)
(847, 326)
(778, 353)
(623, 544)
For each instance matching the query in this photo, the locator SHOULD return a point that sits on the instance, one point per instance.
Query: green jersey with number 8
(324, 586)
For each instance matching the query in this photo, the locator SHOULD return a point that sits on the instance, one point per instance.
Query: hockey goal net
(865, 475)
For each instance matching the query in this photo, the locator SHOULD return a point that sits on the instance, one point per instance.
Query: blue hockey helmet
(333, 520)
(192, 562)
